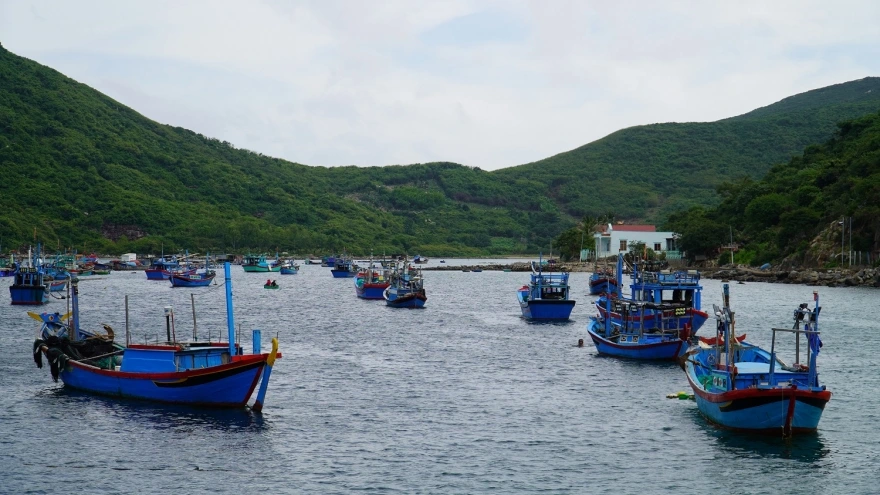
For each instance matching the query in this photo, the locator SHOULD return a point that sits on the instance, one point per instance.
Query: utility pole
(850, 242)
(731, 244)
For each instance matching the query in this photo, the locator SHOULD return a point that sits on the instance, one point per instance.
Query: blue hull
(547, 310)
(371, 292)
(288, 271)
(661, 350)
(224, 386)
(411, 303)
(760, 410)
(343, 273)
(179, 282)
(157, 274)
(602, 287)
(28, 296)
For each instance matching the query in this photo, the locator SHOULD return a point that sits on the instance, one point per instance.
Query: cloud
(483, 83)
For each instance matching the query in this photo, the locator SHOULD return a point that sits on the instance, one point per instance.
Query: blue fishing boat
(603, 281)
(8, 266)
(328, 261)
(57, 285)
(196, 279)
(645, 330)
(406, 288)
(210, 374)
(742, 386)
(28, 287)
(371, 282)
(289, 267)
(663, 288)
(546, 297)
(343, 267)
(419, 259)
(161, 268)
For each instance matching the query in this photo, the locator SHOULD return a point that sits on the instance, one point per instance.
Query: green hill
(86, 171)
(647, 172)
(792, 212)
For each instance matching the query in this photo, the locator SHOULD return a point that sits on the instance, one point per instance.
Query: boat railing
(665, 277)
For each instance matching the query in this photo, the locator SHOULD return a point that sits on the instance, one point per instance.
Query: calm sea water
(463, 396)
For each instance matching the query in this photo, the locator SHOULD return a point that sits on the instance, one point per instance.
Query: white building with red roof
(612, 240)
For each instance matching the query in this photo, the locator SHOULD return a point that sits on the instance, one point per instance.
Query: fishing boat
(663, 288)
(546, 297)
(603, 281)
(57, 285)
(645, 330)
(289, 267)
(406, 288)
(371, 282)
(212, 374)
(312, 261)
(742, 386)
(160, 269)
(259, 264)
(196, 279)
(419, 260)
(28, 287)
(343, 267)
(8, 266)
(328, 261)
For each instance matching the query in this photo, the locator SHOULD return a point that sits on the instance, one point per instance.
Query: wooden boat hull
(288, 271)
(190, 281)
(603, 285)
(271, 287)
(57, 285)
(229, 385)
(370, 291)
(343, 273)
(412, 300)
(544, 309)
(260, 269)
(28, 295)
(645, 350)
(760, 410)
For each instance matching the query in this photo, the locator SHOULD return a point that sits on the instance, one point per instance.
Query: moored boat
(652, 283)
(406, 288)
(196, 279)
(371, 282)
(742, 386)
(343, 267)
(603, 281)
(645, 330)
(547, 295)
(289, 267)
(260, 264)
(210, 374)
(28, 287)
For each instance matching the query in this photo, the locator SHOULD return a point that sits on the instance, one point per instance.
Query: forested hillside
(783, 214)
(86, 171)
(650, 171)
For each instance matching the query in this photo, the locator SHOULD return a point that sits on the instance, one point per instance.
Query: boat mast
(230, 318)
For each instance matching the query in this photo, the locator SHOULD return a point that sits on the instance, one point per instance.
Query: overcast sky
(483, 83)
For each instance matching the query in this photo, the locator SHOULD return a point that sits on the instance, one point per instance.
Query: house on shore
(612, 240)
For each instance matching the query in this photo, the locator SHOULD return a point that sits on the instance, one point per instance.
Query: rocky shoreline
(856, 277)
